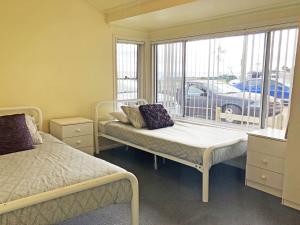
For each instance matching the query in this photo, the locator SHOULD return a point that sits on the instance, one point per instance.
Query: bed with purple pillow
(195, 145)
(50, 182)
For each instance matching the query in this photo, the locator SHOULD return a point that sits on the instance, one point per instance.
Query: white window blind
(283, 45)
(169, 75)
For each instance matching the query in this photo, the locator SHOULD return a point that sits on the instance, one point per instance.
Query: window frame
(140, 65)
(266, 67)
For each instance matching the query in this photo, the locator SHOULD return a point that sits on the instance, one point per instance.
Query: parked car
(255, 85)
(203, 99)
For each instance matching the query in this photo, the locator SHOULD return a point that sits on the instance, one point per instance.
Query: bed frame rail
(203, 168)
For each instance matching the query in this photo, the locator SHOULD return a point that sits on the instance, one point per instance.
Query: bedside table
(77, 132)
(265, 160)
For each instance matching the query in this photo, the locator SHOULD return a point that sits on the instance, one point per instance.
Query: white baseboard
(291, 204)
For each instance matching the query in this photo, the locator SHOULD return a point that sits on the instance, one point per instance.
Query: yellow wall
(56, 55)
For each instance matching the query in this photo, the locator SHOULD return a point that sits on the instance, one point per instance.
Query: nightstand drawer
(264, 177)
(266, 146)
(77, 130)
(80, 141)
(264, 161)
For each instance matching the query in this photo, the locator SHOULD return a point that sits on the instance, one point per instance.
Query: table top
(71, 121)
(270, 133)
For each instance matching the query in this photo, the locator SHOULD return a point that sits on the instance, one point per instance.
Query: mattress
(184, 140)
(50, 166)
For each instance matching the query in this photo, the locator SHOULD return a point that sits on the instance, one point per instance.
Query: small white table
(76, 132)
(265, 160)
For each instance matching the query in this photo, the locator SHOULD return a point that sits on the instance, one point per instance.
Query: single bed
(54, 182)
(198, 146)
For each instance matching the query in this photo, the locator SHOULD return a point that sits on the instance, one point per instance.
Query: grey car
(202, 99)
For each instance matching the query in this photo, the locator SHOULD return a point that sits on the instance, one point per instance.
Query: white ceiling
(197, 11)
(104, 5)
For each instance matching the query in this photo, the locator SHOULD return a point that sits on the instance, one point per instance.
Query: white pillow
(134, 116)
(35, 135)
(120, 116)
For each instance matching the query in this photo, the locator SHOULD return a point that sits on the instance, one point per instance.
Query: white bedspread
(50, 166)
(183, 140)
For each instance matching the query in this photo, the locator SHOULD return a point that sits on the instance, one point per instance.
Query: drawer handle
(265, 161)
(263, 177)
(78, 142)
(78, 130)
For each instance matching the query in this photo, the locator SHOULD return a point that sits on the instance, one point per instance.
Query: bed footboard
(75, 188)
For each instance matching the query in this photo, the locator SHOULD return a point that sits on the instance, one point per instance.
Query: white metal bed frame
(72, 189)
(206, 159)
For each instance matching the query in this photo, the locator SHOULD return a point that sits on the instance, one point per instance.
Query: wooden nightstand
(265, 160)
(76, 132)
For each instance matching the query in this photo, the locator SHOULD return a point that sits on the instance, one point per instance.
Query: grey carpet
(172, 196)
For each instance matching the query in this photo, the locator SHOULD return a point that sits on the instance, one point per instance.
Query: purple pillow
(156, 116)
(14, 134)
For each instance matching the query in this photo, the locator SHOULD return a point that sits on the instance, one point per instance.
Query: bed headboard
(29, 110)
(103, 108)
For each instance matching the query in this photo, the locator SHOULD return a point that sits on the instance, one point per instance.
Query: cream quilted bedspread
(50, 166)
(183, 140)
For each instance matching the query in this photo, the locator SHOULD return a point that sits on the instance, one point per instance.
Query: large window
(128, 70)
(244, 80)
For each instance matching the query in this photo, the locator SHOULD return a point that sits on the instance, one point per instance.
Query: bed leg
(135, 210)
(205, 185)
(155, 162)
(205, 174)
(164, 161)
(97, 145)
(134, 201)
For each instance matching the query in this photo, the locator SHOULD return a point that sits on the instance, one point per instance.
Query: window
(242, 80)
(128, 70)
